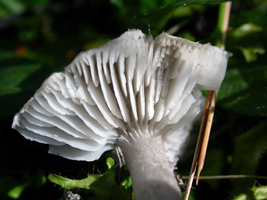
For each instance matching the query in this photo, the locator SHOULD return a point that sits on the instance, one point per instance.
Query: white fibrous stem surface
(129, 90)
(151, 172)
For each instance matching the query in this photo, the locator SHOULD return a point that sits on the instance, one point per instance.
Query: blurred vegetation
(38, 37)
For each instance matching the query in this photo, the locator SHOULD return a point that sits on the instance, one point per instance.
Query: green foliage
(104, 186)
(15, 192)
(241, 35)
(110, 162)
(72, 183)
(246, 30)
(149, 6)
(20, 72)
(250, 54)
(127, 183)
(39, 37)
(244, 90)
(8, 7)
(256, 193)
(14, 189)
(248, 151)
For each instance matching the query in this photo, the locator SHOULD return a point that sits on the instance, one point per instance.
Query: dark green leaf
(244, 90)
(173, 4)
(249, 148)
(12, 76)
(106, 188)
(214, 164)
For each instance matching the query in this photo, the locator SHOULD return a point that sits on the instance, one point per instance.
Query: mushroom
(136, 93)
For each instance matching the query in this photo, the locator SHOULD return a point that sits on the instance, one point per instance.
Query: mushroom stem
(151, 172)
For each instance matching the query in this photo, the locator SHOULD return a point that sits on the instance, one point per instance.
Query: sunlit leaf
(246, 30)
(127, 183)
(260, 192)
(110, 162)
(250, 54)
(72, 183)
(104, 186)
(241, 197)
(256, 193)
(15, 192)
(11, 7)
(7, 184)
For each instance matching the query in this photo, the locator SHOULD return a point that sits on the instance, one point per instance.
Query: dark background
(38, 37)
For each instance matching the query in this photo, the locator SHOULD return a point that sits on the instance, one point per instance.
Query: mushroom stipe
(136, 93)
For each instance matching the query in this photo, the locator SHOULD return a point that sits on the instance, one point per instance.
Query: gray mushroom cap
(130, 87)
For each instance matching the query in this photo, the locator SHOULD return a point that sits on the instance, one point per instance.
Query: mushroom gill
(136, 93)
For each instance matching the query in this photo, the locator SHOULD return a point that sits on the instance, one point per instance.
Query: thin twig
(206, 137)
(226, 177)
(204, 147)
(197, 150)
(208, 114)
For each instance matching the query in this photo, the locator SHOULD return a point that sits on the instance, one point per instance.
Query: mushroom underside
(132, 89)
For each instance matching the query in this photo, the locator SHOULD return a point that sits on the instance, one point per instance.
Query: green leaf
(246, 30)
(13, 188)
(116, 2)
(19, 79)
(14, 70)
(72, 183)
(214, 164)
(15, 192)
(249, 148)
(172, 4)
(250, 54)
(11, 7)
(233, 83)
(12, 76)
(106, 188)
(241, 197)
(127, 182)
(256, 193)
(39, 179)
(260, 193)
(7, 183)
(244, 90)
(257, 17)
(110, 162)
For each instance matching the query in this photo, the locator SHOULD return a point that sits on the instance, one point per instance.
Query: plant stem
(151, 173)
(227, 177)
(223, 19)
